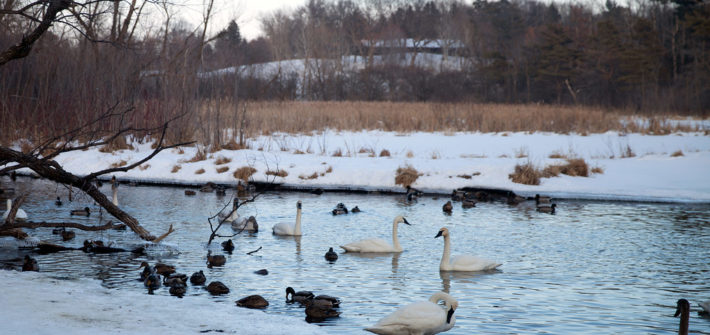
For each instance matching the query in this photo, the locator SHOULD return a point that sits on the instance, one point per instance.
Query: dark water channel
(594, 267)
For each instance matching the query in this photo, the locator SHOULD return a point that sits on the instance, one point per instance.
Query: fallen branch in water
(251, 252)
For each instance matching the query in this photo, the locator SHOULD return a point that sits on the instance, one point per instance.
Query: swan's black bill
(406, 222)
(437, 235)
(449, 315)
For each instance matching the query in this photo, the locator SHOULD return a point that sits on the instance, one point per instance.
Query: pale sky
(246, 12)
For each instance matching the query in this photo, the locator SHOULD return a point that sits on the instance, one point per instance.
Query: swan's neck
(395, 238)
(445, 258)
(9, 204)
(115, 195)
(684, 318)
(297, 229)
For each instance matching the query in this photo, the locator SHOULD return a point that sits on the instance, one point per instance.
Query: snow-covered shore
(36, 303)
(635, 166)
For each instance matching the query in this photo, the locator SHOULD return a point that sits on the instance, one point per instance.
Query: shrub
(144, 167)
(525, 174)
(338, 153)
(575, 167)
(279, 173)
(312, 176)
(233, 145)
(200, 171)
(385, 153)
(222, 160)
(176, 168)
(119, 164)
(200, 155)
(598, 170)
(222, 169)
(329, 169)
(244, 173)
(298, 152)
(118, 143)
(406, 176)
(410, 154)
(677, 153)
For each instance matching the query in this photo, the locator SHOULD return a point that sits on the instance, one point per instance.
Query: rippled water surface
(594, 267)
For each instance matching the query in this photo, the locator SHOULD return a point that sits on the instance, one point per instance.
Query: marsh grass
(406, 175)
(526, 174)
(118, 143)
(678, 153)
(222, 169)
(279, 173)
(222, 160)
(119, 164)
(200, 171)
(385, 153)
(244, 173)
(175, 168)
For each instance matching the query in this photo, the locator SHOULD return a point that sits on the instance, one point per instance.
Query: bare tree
(40, 159)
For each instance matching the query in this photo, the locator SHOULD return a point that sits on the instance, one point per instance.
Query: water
(594, 267)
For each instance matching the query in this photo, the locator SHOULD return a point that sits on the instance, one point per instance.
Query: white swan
(378, 244)
(461, 262)
(114, 188)
(424, 317)
(705, 305)
(20, 215)
(284, 228)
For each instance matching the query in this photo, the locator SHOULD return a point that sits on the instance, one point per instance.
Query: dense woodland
(650, 57)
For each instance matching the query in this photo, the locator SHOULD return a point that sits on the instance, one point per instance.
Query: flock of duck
(423, 317)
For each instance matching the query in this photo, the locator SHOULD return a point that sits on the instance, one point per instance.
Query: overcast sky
(246, 12)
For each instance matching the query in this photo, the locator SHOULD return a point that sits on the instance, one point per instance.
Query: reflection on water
(594, 267)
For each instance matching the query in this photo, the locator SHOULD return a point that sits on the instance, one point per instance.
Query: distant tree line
(652, 56)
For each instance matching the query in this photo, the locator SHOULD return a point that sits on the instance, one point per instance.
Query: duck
(324, 299)
(20, 215)
(682, 310)
(331, 255)
(447, 208)
(355, 210)
(190, 192)
(152, 282)
(178, 289)
(208, 188)
(246, 224)
(378, 244)
(299, 297)
(198, 278)
(83, 212)
(30, 264)
(468, 202)
(705, 305)
(457, 195)
(217, 288)
(513, 199)
(288, 229)
(159, 268)
(262, 272)
(215, 260)
(228, 246)
(542, 199)
(68, 235)
(254, 301)
(175, 279)
(114, 190)
(58, 202)
(413, 193)
(462, 262)
(547, 209)
(423, 317)
(340, 209)
(317, 191)
(316, 311)
(220, 191)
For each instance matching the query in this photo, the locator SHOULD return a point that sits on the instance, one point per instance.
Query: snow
(40, 304)
(651, 174)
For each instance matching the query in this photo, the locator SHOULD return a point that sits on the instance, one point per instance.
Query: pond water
(594, 267)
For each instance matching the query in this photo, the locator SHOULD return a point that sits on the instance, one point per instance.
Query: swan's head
(290, 290)
(683, 306)
(87, 209)
(442, 232)
(298, 204)
(401, 219)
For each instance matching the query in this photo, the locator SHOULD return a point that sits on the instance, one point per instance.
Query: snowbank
(39, 304)
(635, 166)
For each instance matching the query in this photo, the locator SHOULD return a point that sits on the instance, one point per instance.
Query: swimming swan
(284, 228)
(248, 224)
(682, 310)
(424, 317)
(19, 215)
(378, 244)
(461, 262)
(705, 305)
(114, 188)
